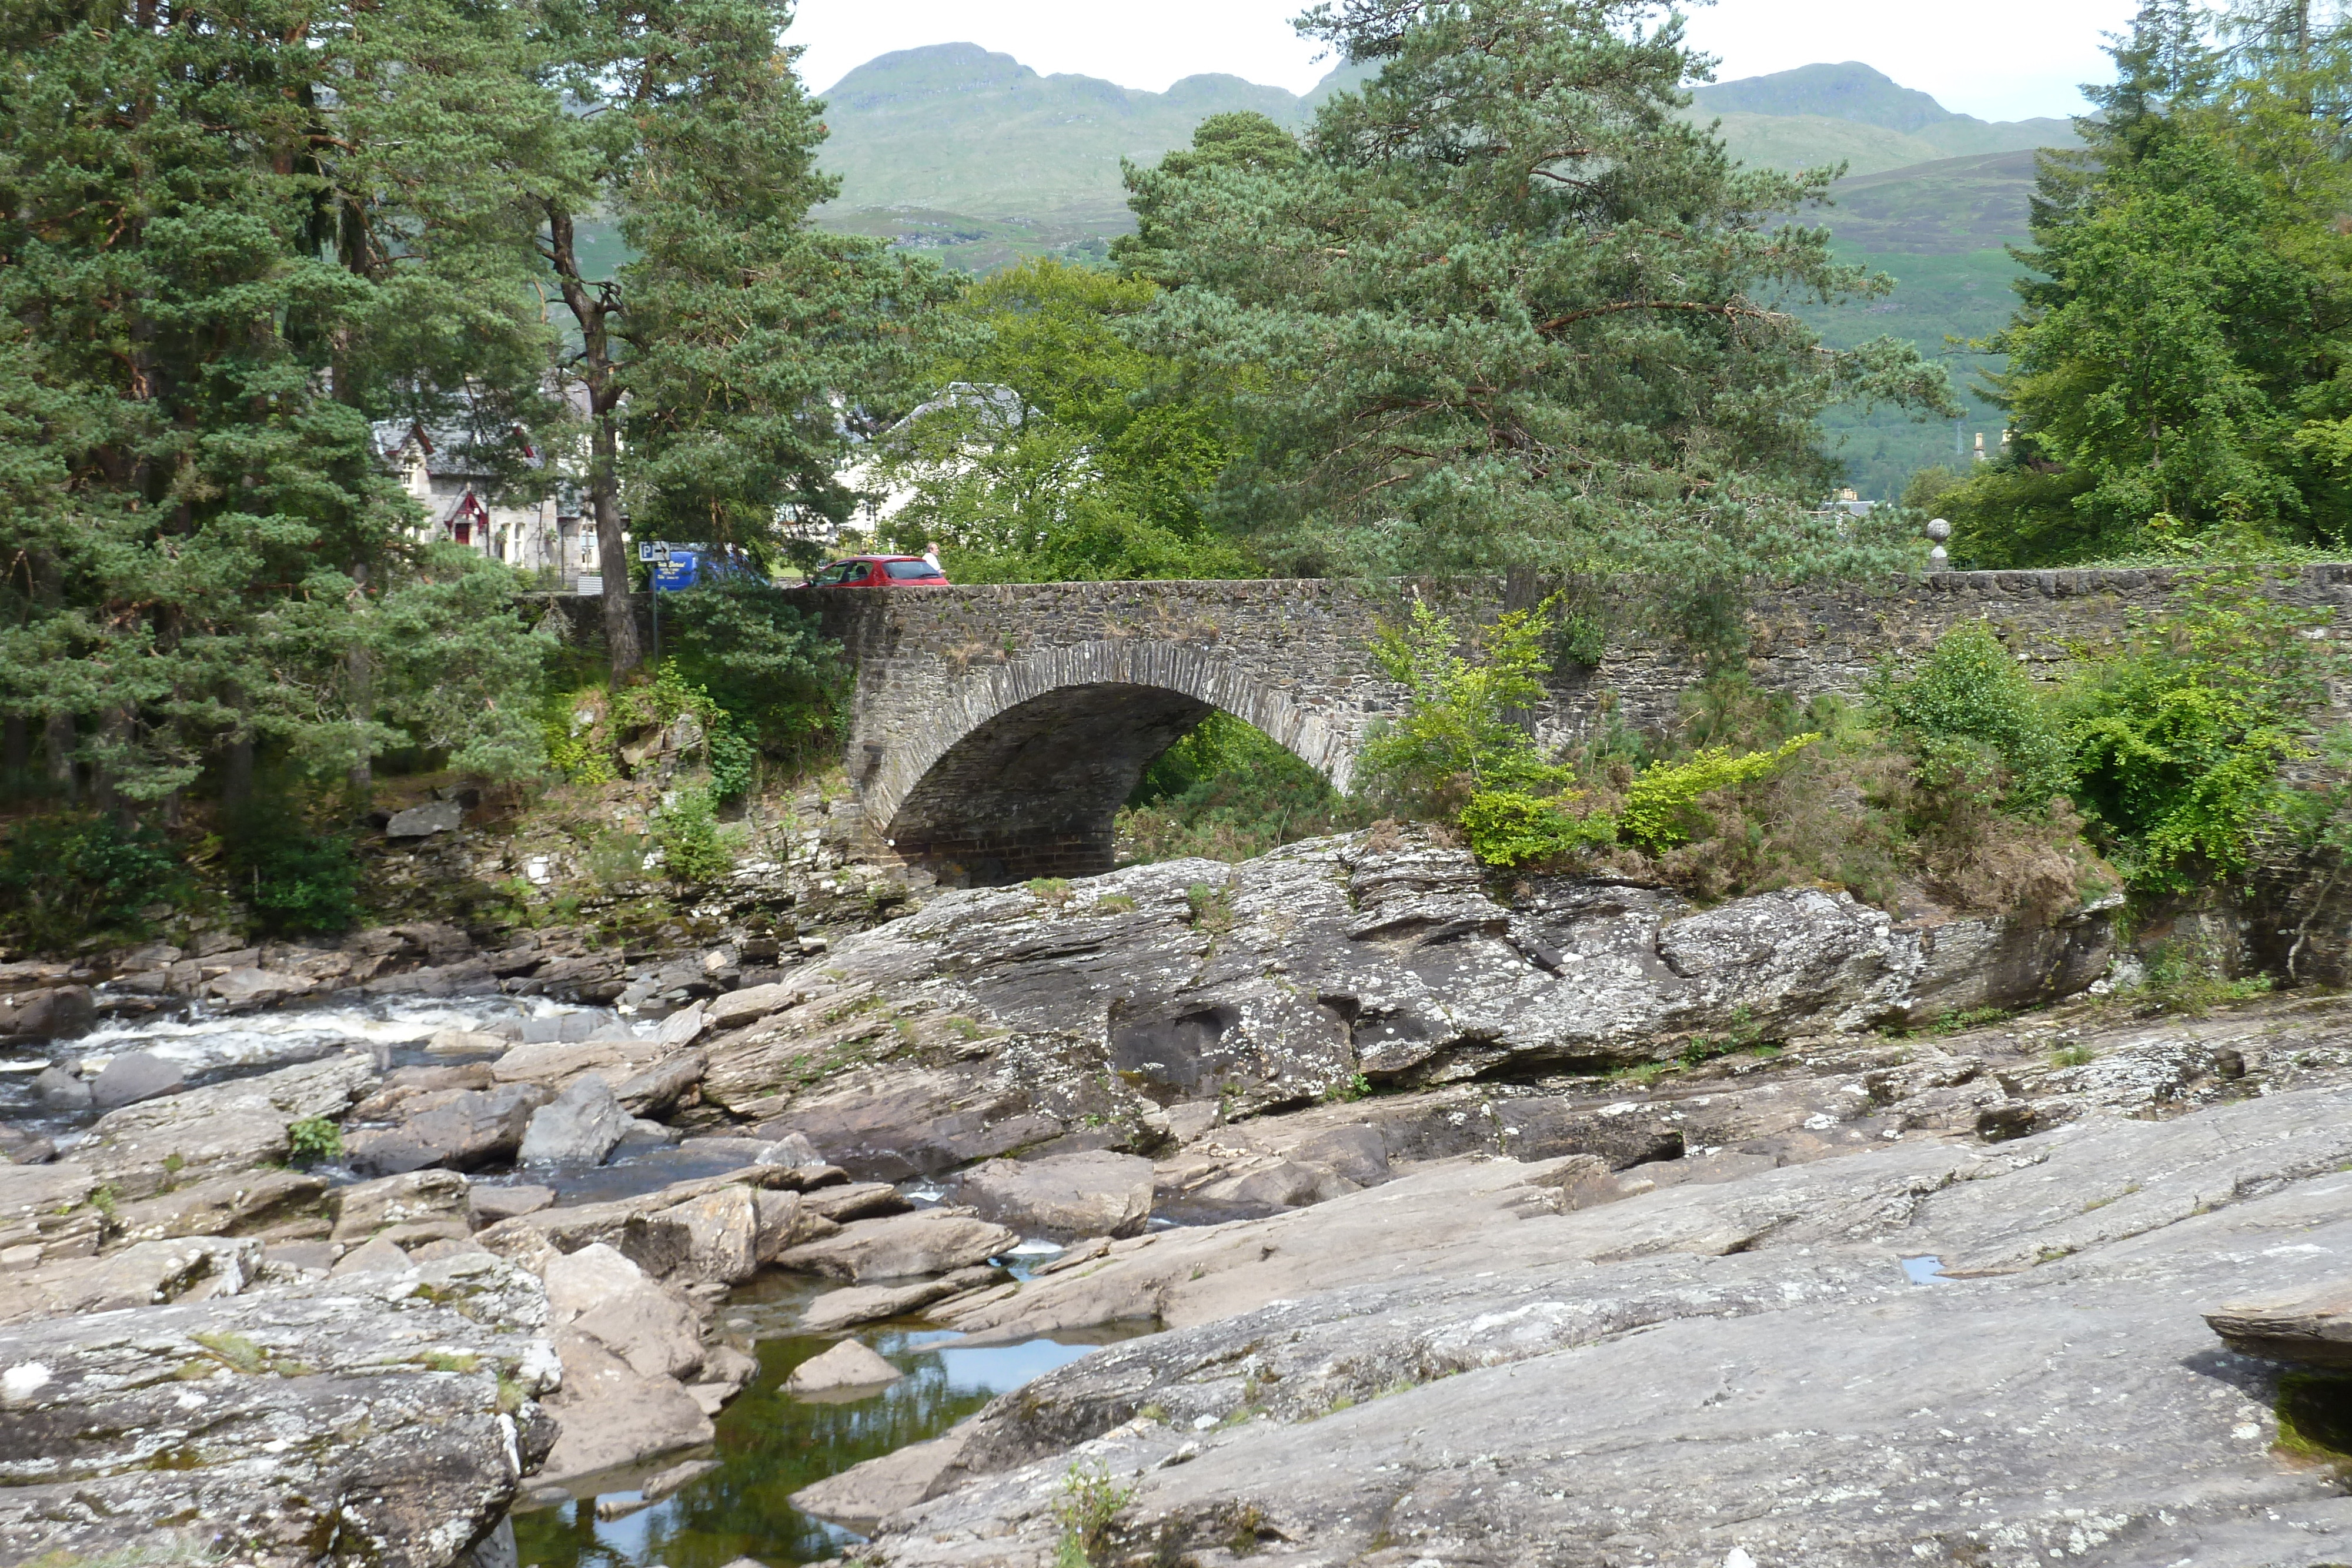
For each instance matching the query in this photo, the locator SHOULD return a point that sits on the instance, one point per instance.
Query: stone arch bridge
(997, 730)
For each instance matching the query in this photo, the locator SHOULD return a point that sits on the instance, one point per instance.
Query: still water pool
(770, 1445)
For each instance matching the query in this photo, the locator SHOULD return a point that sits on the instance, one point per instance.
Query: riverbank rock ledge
(1385, 960)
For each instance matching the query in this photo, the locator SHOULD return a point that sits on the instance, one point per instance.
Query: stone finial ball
(1938, 529)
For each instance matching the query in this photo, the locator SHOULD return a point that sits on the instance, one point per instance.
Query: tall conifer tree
(1511, 310)
(724, 362)
(232, 234)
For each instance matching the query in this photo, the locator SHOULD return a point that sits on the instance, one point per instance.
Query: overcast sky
(1997, 60)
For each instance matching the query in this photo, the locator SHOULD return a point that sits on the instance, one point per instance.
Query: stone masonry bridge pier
(998, 729)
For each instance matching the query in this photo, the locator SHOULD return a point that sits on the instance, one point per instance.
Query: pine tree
(725, 363)
(1511, 311)
(230, 237)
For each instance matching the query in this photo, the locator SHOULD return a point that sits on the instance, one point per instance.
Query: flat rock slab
(1097, 1193)
(314, 1425)
(1709, 1372)
(421, 821)
(928, 1241)
(848, 1364)
(2313, 1327)
(861, 1495)
(847, 1308)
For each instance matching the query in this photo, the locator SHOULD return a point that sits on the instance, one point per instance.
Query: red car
(879, 572)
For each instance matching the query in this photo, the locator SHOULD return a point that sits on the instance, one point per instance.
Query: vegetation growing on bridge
(2157, 765)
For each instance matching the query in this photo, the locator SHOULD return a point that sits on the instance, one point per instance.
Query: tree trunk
(613, 553)
(15, 751)
(360, 671)
(592, 305)
(58, 747)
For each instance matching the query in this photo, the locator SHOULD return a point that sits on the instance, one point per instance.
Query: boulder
(492, 1204)
(848, 1364)
(854, 1304)
(723, 1230)
(580, 1126)
(47, 1207)
(429, 1397)
(737, 1009)
(145, 1274)
(467, 1129)
(377, 1255)
(1065, 1196)
(52, 1012)
(663, 1244)
(609, 1415)
(134, 1076)
(421, 822)
(856, 1200)
(467, 1042)
(682, 1028)
(928, 1241)
(58, 1090)
(1286, 1183)
(859, 1497)
(257, 988)
(598, 1292)
(406, 1206)
(663, 1085)
(2311, 1326)
(23, 1146)
(554, 1063)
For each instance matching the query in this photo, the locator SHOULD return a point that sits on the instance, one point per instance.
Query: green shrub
(1973, 721)
(67, 878)
(1457, 736)
(1091, 1501)
(293, 880)
(313, 1141)
(688, 831)
(1657, 814)
(1227, 791)
(2178, 740)
(1510, 828)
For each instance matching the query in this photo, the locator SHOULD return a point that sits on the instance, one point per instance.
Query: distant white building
(437, 467)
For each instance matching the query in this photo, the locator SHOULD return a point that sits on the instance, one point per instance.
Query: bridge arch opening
(1028, 765)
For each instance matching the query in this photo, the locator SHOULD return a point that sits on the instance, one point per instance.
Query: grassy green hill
(974, 156)
(1939, 229)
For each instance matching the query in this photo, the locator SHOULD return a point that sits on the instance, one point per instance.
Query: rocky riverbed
(1459, 1223)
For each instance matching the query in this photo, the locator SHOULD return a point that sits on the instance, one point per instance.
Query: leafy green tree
(1459, 734)
(723, 350)
(1060, 452)
(2175, 374)
(230, 238)
(1509, 310)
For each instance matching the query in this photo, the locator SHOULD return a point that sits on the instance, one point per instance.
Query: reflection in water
(771, 1445)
